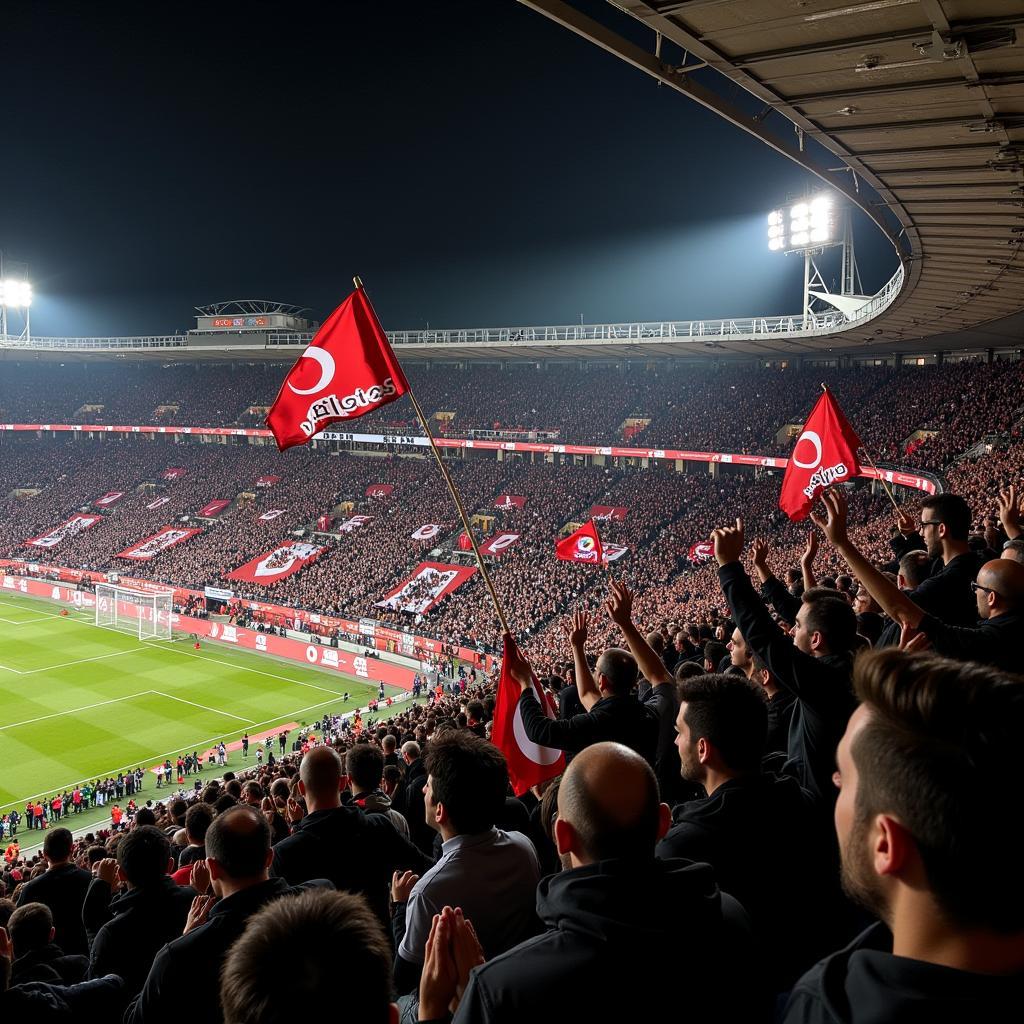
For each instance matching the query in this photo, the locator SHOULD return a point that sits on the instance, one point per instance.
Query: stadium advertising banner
(617, 513)
(428, 585)
(499, 543)
(157, 503)
(70, 527)
(428, 531)
(214, 508)
(509, 501)
(108, 499)
(701, 551)
(351, 524)
(379, 490)
(174, 473)
(267, 481)
(271, 513)
(152, 546)
(275, 565)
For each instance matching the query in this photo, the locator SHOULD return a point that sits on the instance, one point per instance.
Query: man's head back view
(238, 849)
(467, 780)
(999, 588)
(143, 856)
(320, 776)
(57, 846)
(31, 928)
(364, 765)
(615, 672)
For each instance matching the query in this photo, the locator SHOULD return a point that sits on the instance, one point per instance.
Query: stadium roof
(250, 307)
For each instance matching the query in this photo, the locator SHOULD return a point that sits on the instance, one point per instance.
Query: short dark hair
(58, 844)
(475, 710)
(251, 789)
(178, 809)
(6, 909)
(364, 765)
(940, 751)
(714, 651)
(832, 617)
(952, 511)
(687, 670)
(619, 668)
(914, 567)
(470, 777)
(145, 816)
(308, 936)
(239, 841)
(731, 714)
(143, 854)
(30, 927)
(198, 821)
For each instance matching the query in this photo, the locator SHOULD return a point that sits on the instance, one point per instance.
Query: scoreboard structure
(248, 316)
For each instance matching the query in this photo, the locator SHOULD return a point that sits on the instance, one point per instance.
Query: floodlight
(798, 211)
(15, 293)
(802, 238)
(774, 244)
(821, 204)
(775, 217)
(820, 235)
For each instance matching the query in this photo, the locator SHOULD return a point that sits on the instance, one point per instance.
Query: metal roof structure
(912, 109)
(251, 307)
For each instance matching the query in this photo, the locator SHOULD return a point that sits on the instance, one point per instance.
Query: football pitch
(79, 703)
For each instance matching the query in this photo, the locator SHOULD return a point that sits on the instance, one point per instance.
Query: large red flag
(528, 764)
(347, 370)
(582, 546)
(825, 453)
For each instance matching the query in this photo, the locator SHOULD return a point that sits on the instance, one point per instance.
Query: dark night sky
(476, 164)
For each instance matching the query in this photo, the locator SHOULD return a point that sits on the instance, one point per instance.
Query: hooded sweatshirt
(623, 936)
(865, 984)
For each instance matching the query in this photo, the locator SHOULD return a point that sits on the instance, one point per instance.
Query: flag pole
(871, 462)
(456, 497)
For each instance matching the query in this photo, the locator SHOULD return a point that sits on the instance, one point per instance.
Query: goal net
(145, 615)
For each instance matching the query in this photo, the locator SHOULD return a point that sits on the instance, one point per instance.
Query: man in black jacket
(187, 970)
(357, 852)
(408, 800)
(37, 956)
(815, 664)
(931, 755)
(614, 915)
(62, 888)
(128, 929)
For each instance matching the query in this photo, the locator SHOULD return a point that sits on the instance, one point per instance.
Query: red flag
(347, 370)
(528, 764)
(582, 546)
(825, 453)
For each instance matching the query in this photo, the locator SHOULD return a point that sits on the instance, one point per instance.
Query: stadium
(626, 624)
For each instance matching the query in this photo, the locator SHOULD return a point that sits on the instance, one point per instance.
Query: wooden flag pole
(878, 477)
(457, 498)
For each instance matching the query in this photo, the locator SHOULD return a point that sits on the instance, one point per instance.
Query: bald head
(609, 798)
(1006, 579)
(320, 774)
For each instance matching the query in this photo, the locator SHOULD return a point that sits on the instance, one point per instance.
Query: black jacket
(821, 686)
(62, 889)
(991, 642)
(865, 984)
(780, 717)
(100, 1000)
(409, 802)
(619, 719)
(129, 930)
(50, 965)
(187, 970)
(355, 851)
(624, 936)
(772, 849)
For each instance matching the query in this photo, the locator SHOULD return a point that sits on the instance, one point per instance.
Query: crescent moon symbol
(326, 361)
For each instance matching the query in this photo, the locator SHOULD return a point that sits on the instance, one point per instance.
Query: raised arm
(807, 561)
(619, 607)
(772, 588)
(1010, 512)
(575, 630)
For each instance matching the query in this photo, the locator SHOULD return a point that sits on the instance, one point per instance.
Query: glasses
(988, 590)
(930, 522)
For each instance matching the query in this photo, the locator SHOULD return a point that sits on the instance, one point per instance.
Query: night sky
(473, 162)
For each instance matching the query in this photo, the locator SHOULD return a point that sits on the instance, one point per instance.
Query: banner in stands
(379, 490)
(275, 565)
(350, 524)
(214, 508)
(701, 551)
(152, 546)
(108, 499)
(428, 531)
(429, 584)
(323, 524)
(509, 501)
(499, 543)
(614, 551)
(614, 512)
(157, 503)
(271, 513)
(267, 481)
(174, 473)
(76, 524)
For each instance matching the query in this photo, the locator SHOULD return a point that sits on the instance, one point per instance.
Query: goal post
(141, 613)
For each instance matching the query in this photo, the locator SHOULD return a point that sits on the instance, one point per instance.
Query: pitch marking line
(75, 711)
(255, 671)
(81, 661)
(216, 711)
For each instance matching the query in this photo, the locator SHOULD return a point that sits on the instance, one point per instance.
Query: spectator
(198, 820)
(364, 765)
(37, 956)
(409, 799)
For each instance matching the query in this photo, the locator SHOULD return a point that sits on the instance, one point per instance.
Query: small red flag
(528, 764)
(582, 546)
(347, 371)
(825, 453)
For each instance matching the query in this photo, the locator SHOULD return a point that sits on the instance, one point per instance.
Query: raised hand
(198, 913)
(402, 885)
(467, 951)
(811, 551)
(760, 549)
(439, 980)
(517, 665)
(106, 870)
(905, 524)
(199, 877)
(911, 640)
(575, 628)
(619, 604)
(1010, 511)
(728, 542)
(833, 523)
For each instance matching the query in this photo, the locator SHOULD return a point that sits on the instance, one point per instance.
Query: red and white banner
(70, 527)
(271, 513)
(606, 512)
(379, 490)
(429, 584)
(214, 508)
(499, 543)
(507, 502)
(157, 503)
(701, 551)
(283, 561)
(267, 481)
(584, 545)
(323, 524)
(108, 499)
(351, 524)
(614, 551)
(428, 531)
(464, 543)
(152, 546)
(173, 473)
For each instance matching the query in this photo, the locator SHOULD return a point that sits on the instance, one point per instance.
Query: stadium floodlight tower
(808, 226)
(16, 294)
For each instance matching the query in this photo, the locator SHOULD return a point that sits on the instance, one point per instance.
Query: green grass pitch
(78, 702)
